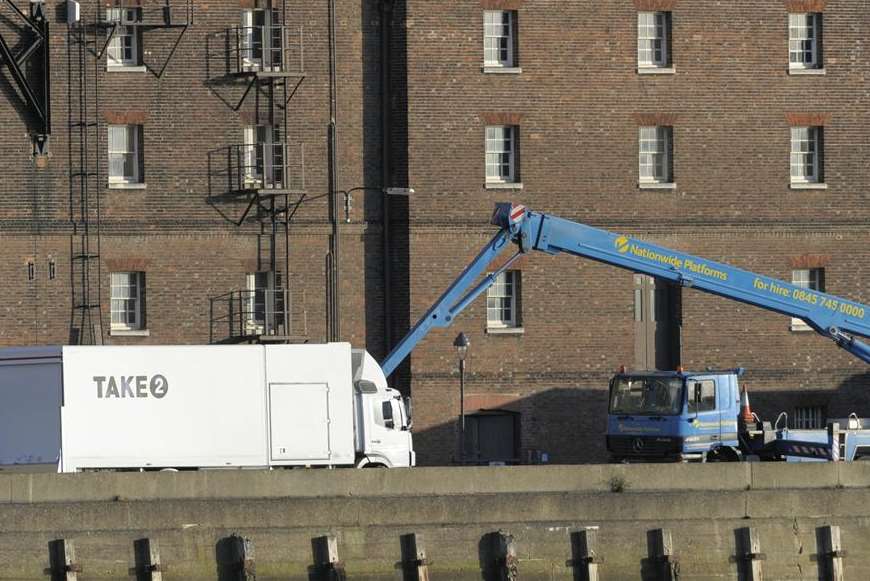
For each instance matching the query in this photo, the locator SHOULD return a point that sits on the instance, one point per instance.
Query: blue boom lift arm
(830, 316)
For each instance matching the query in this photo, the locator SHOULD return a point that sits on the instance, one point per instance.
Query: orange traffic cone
(745, 411)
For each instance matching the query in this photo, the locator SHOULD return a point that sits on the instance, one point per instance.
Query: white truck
(196, 407)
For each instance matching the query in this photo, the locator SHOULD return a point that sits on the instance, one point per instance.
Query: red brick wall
(580, 99)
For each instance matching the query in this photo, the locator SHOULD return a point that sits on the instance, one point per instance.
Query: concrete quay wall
(454, 508)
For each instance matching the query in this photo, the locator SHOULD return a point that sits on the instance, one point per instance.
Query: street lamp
(348, 198)
(461, 343)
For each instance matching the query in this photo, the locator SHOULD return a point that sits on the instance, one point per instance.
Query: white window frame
(122, 38)
(655, 148)
(499, 30)
(502, 301)
(501, 154)
(811, 279)
(129, 149)
(652, 37)
(127, 287)
(809, 417)
(806, 158)
(803, 40)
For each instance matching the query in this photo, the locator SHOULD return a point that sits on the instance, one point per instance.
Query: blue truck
(673, 415)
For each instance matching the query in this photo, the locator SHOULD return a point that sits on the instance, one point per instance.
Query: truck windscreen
(651, 396)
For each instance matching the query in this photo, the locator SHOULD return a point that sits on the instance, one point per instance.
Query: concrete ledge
(418, 482)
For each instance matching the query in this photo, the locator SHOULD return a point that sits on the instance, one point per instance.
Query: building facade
(191, 193)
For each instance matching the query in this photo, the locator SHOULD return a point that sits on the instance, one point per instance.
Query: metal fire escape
(30, 69)
(262, 58)
(90, 33)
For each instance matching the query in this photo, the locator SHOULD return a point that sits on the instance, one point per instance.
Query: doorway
(657, 323)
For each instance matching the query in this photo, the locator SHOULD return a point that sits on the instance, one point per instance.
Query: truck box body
(31, 393)
(210, 406)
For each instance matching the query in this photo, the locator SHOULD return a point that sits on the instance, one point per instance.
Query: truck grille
(643, 446)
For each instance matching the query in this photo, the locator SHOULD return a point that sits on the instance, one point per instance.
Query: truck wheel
(375, 465)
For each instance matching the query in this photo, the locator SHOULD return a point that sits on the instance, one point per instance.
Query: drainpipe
(386, 162)
(334, 308)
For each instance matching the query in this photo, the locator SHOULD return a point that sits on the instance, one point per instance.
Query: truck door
(703, 409)
(299, 421)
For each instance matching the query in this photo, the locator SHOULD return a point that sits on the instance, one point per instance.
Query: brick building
(732, 132)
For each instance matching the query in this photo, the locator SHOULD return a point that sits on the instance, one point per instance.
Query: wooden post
(749, 554)
(660, 547)
(831, 553)
(62, 560)
(505, 553)
(147, 555)
(584, 555)
(415, 565)
(326, 561)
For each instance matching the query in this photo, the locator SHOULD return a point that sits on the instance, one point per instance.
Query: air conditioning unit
(73, 12)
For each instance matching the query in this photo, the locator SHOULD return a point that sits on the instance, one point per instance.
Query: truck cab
(382, 416)
(671, 415)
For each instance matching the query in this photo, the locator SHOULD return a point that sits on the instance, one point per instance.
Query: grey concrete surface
(188, 513)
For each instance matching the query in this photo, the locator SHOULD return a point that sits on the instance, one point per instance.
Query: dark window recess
(387, 408)
(31, 270)
(52, 270)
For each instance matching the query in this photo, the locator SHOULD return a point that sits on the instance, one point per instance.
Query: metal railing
(248, 314)
(265, 166)
(259, 48)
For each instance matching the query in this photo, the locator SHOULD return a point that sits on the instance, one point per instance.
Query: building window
(656, 149)
(128, 290)
(502, 301)
(806, 155)
(261, 41)
(123, 48)
(809, 418)
(810, 279)
(263, 157)
(499, 38)
(804, 33)
(501, 154)
(125, 154)
(653, 37)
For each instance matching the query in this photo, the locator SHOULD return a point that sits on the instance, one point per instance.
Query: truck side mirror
(697, 396)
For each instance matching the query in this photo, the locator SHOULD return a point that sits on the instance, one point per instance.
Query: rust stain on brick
(809, 261)
(808, 119)
(655, 5)
(801, 6)
(655, 119)
(501, 118)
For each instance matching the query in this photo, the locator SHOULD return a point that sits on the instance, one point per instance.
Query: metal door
(657, 314)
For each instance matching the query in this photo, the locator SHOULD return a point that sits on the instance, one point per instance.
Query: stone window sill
(130, 333)
(656, 71)
(502, 70)
(505, 330)
(800, 72)
(800, 186)
(126, 69)
(655, 186)
(125, 186)
(504, 185)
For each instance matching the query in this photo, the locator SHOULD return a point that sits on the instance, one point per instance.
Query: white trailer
(186, 407)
